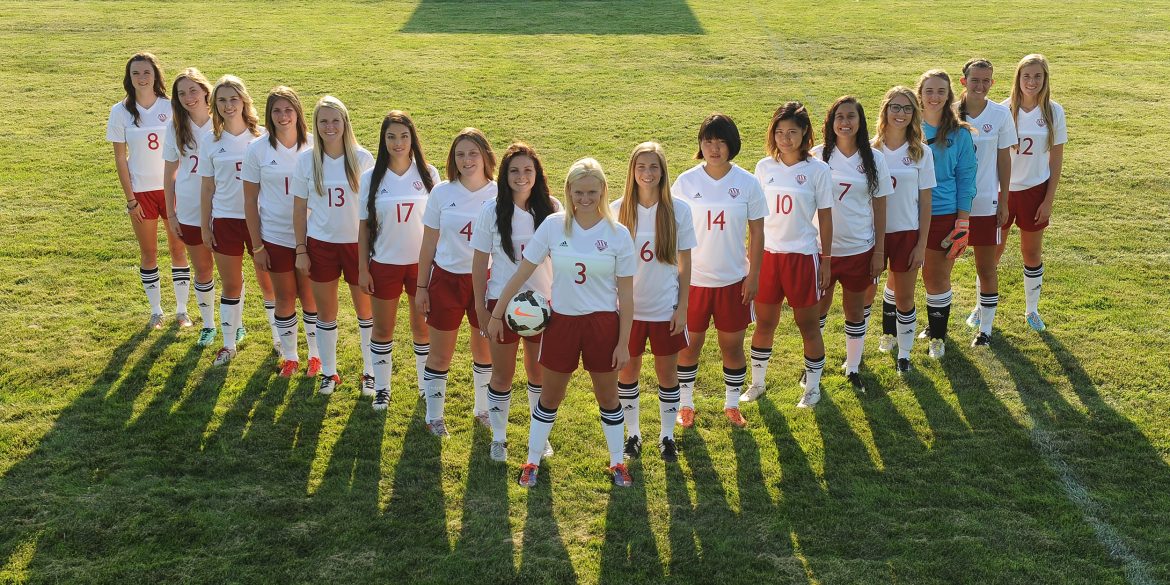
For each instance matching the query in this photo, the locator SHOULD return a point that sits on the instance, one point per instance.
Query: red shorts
(940, 227)
(984, 231)
(231, 236)
(510, 336)
(790, 276)
(852, 271)
(191, 235)
(899, 246)
(724, 303)
(451, 299)
(391, 279)
(1022, 206)
(590, 338)
(328, 261)
(658, 333)
(153, 204)
(280, 258)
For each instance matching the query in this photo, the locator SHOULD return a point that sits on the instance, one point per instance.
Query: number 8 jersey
(333, 215)
(721, 211)
(400, 203)
(144, 141)
(586, 263)
(794, 194)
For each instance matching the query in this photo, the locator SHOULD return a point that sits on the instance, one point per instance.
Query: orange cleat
(736, 417)
(288, 368)
(686, 417)
(621, 475)
(314, 367)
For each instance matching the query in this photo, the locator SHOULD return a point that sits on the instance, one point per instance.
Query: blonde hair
(349, 145)
(665, 230)
(913, 130)
(1044, 100)
(250, 118)
(582, 169)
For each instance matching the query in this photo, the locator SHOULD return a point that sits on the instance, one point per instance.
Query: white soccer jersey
(223, 160)
(586, 263)
(188, 183)
(273, 169)
(794, 194)
(486, 239)
(909, 178)
(333, 214)
(400, 203)
(453, 210)
(994, 130)
(656, 283)
(1030, 160)
(852, 203)
(720, 211)
(144, 141)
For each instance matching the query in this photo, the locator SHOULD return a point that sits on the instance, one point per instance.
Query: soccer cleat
(438, 428)
(483, 419)
(498, 451)
(528, 475)
(382, 399)
(223, 356)
(887, 342)
(314, 367)
(367, 385)
(276, 348)
(981, 340)
(936, 349)
(183, 320)
(241, 333)
(903, 366)
(686, 417)
(633, 448)
(668, 450)
(1035, 322)
(973, 318)
(548, 450)
(855, 382)
(288, 368)
(156, 321)
(206, 337)
(810, 397)
(735, 417)
(328, 384)
(621, 475)
(925, 333)
(753, 392)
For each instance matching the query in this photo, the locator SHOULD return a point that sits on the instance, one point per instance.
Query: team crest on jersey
(162, 117)
(602, 245)
(734, 192)
(987, 128)
(801, 179)
(418, 185)
(1041, 123)
(907, 161)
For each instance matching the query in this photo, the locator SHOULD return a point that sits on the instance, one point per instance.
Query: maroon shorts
(153, 204)
(852, 271)
(1022, 206)
(590, 338)
(940, 227)
(280, 258)
(510, 336)
(984, 231)
(899, 246)
(451, 298)
(191, 235)
(658, 333)
(789, 276)
(391, 279)
(328, 261)
(231, 236)
(724, 304)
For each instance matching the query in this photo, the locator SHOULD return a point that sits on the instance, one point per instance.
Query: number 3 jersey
(586, 263)
(794, 194)
(721, 210)
(853, 231)
(144, 141)
(400, 203)
(452, 210)
(486, 239)
(272, 168)
(333, 214)
(656, 283)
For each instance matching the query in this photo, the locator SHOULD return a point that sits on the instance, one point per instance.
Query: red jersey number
(580, 273)
(152, 141)
(194, 164)
(403, 218)
(466, 231)
(647, 252)
(716, 220)
(895, 180)
(336, 197)
(784, 204)
(1026, 146)
(847, 187)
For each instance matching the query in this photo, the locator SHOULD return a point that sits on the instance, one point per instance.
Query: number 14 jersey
(721, 210)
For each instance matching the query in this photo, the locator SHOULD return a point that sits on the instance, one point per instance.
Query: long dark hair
(863, 146)
(160, 87)
(540, 201)
(383, 162)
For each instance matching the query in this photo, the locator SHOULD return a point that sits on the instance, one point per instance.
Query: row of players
(312, 208)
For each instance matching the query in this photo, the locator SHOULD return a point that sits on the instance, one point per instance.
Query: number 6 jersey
(721, 211)
(400, 203)
(586, 263)
(656, 283)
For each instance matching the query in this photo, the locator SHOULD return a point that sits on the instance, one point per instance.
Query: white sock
(824, 319)
(366, 329)
(205, 298)
(287, 331)
(181, 281)
(435, 383)
(229, 320)
(667, 410)
(906, 325)
(854, 344)
(611, 426)
(628, 395)
(421, 351)
(1033, 282)
(481, 374)
(270, 310)
(733, 379)
(498, 404)
(760, 357)
(310, 320)
(383, 354)
(812, 371)
(533, 396)
(866, 312)
(686, 385)
(987, 305)
(149, 277)
(539, 427)
(327, 343)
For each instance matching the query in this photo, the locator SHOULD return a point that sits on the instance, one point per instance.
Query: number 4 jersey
(144, 141)
(400, 203)
(453, 210)
(721, 210)
(586, 263)
(794, 194)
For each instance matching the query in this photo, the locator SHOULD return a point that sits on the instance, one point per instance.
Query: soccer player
(798, 188)
(269, 164)
(664, 234)
(911, 164)
(593, 264)
(136, 127)
(221, 159)
(502, 232)
(950, 205)
(325, 228)
(994, 137)
(1036, 164)
(726, 202)
(393, 198)
(861, 182)
(190, 127)
(445, 292)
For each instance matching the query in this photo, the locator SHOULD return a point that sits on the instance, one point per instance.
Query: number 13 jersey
(586, 263)
(333, 215)
(721, 211)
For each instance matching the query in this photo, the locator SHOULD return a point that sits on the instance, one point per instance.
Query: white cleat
(887, 342)
(810, 397)
(499, 451)
(973, 318)
(937, 349)
(753, 392)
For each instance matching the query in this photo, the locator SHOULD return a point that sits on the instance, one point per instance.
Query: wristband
(299, 246)
(422, 286)
(300, 253)
(259, 248)
(497, 318)
(131, 204)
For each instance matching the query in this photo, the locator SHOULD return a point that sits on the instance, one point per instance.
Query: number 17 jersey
(400, 203)
(721, 210)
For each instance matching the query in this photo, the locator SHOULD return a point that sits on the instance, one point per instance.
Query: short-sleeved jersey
(188, 183)
(794, 195)
(453, 210)
(909, 179)
(144, 142)
(1030, 165)
(400, 203)
(486, 238)
(720, 211)
(272, 168)
(994, 130)
(223, 160)
(333, 214)
(852, 202)
(656, 283)
(586, 263)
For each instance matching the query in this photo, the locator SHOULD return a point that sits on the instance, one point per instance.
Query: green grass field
(125, 459)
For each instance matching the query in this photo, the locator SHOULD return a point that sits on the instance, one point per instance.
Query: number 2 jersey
(486, 239)
(333, 214)
(144, 142)
(188, 183)
(453, 210)
(656, 283)
(272, 168)
(794, 194)
(1030, 165)
(721, 210)
(853, 231)
(586, 263)
(400, 203)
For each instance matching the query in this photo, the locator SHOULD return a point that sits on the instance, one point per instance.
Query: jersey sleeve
(885, 181)
(170, 148)
(823, 188)
(302, 176)
(435, 179)
(1059, 125)
(207, 162)
(627, 261)
(434, 210)
(926, 176)
(364, 196)
(676, 188)
(538, 247)
(116, 125)
(250, 171)
(966, 166)
(482, 235)
(1007, 132)
(686, 226)
(757, 204)
(365, 160)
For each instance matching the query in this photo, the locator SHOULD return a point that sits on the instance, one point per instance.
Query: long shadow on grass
(485, 547)
(629, 553)
(514, 17)
(543, 556)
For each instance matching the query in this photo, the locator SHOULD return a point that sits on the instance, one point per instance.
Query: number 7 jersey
(721, 210)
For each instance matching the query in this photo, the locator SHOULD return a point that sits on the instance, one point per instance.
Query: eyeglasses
(900, 109)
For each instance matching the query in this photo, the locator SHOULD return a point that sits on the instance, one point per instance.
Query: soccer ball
(528, 313)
